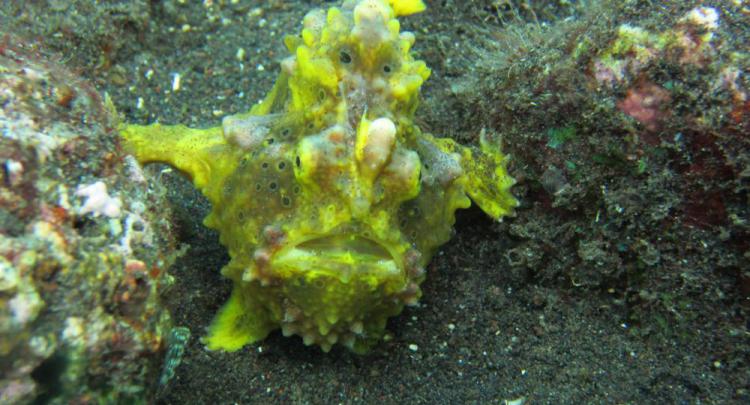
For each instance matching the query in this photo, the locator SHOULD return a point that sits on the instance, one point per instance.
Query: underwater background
(623, 276)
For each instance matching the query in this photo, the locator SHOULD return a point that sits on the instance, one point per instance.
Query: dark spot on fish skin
(345, 57)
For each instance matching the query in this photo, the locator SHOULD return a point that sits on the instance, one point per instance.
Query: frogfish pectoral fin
(486, 180)
(237, 324)
(201, 153)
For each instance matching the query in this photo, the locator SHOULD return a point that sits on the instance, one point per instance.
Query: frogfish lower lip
(342, 257)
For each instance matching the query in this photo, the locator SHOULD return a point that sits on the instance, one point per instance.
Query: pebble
(240, 55)
(176, 82)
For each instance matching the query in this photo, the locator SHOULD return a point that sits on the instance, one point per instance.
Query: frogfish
(328, 196)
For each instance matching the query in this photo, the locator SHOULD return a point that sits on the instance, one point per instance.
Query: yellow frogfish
(328, 196)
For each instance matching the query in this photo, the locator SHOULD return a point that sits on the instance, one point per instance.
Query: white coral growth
(98, 202)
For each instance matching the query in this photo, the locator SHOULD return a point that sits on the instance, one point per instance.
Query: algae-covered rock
(83, 253)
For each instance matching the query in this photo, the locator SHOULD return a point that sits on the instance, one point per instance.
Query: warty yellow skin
(328, 196)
